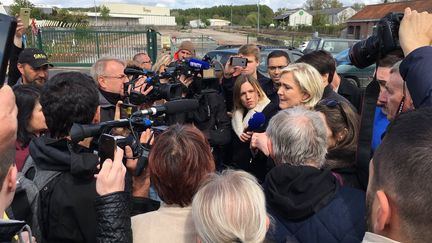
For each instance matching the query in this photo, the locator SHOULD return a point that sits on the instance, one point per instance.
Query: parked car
(347, 70)
(303, 45)
(332, 45)
(222, 55)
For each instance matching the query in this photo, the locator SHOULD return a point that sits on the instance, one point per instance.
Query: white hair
(230, 207)
(298, 137)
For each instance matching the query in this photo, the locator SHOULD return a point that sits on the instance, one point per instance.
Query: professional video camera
(105, 143)
(188, 68)
(168, 91)
(386, 39)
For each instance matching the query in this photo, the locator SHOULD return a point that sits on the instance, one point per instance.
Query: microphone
(256, 122)
(171, 107)
(133, 71)
(195, 63)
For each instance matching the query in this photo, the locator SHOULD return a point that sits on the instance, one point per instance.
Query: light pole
(258, 24)
(231, 20)
(95, 13)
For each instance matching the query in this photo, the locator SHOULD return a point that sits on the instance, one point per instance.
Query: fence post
(152, 44)
(39, 39)
(202, 44)
(97, 44)
(247, 39)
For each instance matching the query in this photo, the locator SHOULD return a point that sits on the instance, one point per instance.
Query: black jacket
(13, 72)
(107, 110)
(351, 92)
(211, 118)
(67, 210)
(242, 157)
(308, 205)
(10, 228)
(113, 218)
(330, 94)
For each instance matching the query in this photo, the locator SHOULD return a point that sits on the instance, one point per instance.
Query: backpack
(33, 183)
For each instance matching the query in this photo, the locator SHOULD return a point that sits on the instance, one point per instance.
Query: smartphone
(25, 16)
(107, 147)
(238, 61)
(7, 30)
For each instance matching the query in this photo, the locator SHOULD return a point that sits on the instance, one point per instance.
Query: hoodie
(67, 210)
(309, 205)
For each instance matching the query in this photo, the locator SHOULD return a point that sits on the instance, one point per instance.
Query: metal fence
(82, 47)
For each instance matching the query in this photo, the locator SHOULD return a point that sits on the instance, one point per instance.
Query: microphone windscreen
(183, 105)
(198, 63)
(256, 121)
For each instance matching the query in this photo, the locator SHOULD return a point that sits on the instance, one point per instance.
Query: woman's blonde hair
(230, 207)
(243, 78)
(162, 59)
(308, 79)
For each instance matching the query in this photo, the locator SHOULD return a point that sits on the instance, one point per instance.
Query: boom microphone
(133, 71)
(256, 122)
(171, 107)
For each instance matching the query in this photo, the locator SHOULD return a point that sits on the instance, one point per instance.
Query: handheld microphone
(256, 122)
(195, 63)
(171, 107)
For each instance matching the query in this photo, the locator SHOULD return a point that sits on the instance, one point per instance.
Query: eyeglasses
(123, 76)
(333, 104)
(144, 62)
(273, 68)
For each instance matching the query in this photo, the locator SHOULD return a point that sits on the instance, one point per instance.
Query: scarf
(240, 123)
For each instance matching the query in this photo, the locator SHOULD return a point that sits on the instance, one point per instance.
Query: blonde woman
(300, 84)
(249, 98)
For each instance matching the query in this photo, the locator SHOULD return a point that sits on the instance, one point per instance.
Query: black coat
(351, 92)
(67, 212)
(242, 157)
(330, 94)
(308, 205)
(113, 218)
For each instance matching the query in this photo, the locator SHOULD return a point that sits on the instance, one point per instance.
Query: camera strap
(366, 131)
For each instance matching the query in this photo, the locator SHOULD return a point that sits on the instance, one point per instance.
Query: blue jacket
(415, 70)
(308, 206)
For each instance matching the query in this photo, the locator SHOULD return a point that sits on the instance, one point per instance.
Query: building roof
(328, 11)
(377, 11)
(287, 13)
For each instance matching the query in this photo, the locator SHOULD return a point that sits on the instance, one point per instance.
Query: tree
(18, 4)
(104, 13)
(251, 19)
(321, 4)
(358, 6)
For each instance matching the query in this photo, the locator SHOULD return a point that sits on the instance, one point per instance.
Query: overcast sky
(274, 4)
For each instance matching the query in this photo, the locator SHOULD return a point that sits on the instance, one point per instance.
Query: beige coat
(170, 223)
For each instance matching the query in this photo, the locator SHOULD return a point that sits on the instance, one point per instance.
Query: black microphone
(133, 71)
(171, 107)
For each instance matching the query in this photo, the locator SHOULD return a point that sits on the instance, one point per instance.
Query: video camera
(105, 143)
(168, 91)
(386, 39)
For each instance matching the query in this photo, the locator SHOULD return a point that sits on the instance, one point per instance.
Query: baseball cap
(34, 57)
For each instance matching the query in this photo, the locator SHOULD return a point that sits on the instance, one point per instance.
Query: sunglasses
(334, 104)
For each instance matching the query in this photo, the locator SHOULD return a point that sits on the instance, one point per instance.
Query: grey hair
(395, 67)
(298, 137)
(98, 68)
(230, 207)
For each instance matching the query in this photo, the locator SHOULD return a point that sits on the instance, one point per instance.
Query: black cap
(34, 57)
